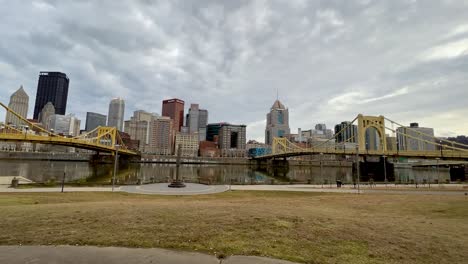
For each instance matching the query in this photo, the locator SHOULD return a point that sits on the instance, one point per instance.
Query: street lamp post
(177, 182)
(358, 169)
(385, 169)
(441, 149)
(438, 175)
(116, 160)
(321, 166)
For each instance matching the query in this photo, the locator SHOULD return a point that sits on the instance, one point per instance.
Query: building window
(280, 133)
(234, 136)
(280, 118)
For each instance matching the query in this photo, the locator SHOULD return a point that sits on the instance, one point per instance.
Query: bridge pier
(372, 169)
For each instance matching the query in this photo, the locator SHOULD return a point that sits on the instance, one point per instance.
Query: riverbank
(147, 158)
(45, 156)
(295, 226)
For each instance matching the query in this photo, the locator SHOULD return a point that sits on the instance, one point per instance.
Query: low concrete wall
(193, 160)
(45, 156)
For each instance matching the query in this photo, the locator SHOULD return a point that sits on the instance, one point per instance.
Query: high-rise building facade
(115, 118)
(160, 136)
(411, 142)
(52, 87)
(174, 109)
(45, 114)
(212, 131)
(138, 127)
(197, 120)
(277, 122)
(349, 133)
(67, 125)
(321, 129)
(188, 144)
(232, 140)
(19, 103)
(94, 120)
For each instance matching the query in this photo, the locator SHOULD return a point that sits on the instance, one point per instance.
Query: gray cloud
(330, 60)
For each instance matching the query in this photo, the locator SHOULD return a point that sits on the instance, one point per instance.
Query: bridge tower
(366, 122)
(107, 135)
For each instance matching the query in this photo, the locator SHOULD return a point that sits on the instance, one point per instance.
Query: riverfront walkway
(114, 255)
(199, 189)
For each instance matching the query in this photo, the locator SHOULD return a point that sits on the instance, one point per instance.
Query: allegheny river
(136, 173)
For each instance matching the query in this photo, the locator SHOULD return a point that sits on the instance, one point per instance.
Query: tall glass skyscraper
(116, 113)
(197, 120)
(52, 87)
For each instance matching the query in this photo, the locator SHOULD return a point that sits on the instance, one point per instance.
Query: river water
(84, 173)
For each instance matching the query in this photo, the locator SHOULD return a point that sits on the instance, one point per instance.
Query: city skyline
(389, 67)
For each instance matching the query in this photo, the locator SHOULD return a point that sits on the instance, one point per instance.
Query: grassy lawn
(302, 227)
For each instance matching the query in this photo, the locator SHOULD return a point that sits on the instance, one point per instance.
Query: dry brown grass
(303, 227)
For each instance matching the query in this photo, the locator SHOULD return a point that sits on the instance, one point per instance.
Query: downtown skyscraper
(19, 103)
(115, 118)
(277, 122)
(174, 108)
(197, 120)
(52, 87)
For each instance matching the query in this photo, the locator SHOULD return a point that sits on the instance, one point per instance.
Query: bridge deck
(63, 141)
(410, 154)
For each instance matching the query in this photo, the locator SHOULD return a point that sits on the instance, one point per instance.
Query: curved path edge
(117, 255)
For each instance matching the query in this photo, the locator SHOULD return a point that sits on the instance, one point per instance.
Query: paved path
(114, 255)
(163, 189)
(197, 189)
(5, 188)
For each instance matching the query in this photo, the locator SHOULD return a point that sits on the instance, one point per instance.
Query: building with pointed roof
(277, 124)
(19, 103)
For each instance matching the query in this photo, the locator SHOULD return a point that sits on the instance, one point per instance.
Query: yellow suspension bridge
(101, 139)
(284, 148)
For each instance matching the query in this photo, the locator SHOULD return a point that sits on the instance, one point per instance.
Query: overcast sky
(329, 60)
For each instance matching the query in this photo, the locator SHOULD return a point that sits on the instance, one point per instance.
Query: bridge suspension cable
(103, 139)
(427, 141)
(425, 134)
(335, 136)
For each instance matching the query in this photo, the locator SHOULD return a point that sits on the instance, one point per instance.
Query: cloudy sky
(329, 60)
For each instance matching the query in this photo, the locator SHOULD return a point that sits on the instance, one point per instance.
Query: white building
(189, 144)
(67, 125)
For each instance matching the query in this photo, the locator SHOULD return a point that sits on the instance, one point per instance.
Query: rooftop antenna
(277, 96)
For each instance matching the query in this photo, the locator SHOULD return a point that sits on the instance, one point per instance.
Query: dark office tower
(52, 87)
(212, 131)
(94, 120)
(348, 132)
(174, 108)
